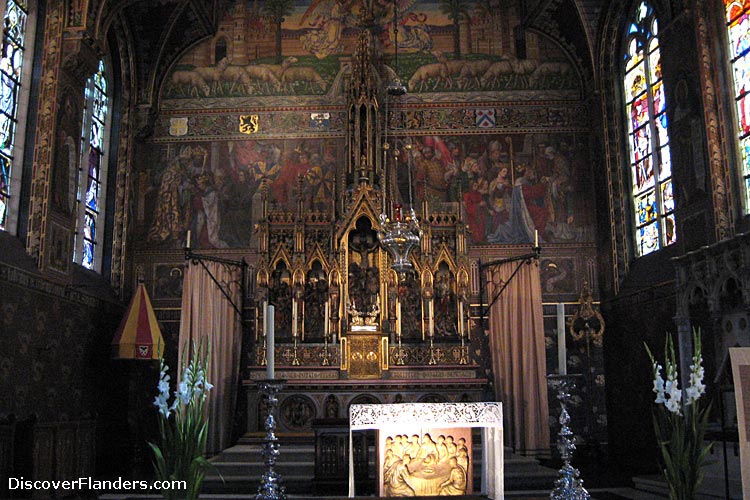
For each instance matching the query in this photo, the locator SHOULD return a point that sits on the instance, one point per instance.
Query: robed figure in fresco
(174, 210)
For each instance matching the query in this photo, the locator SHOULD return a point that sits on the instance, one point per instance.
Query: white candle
(325, 322)
(294, 317)
(536, 238)
(562, 365)
(430, 316)
(269, 343)
(187, 243)
(398, 317)
(461, 319)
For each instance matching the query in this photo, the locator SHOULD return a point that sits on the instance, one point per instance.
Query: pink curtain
(518, 357)
(209, 315)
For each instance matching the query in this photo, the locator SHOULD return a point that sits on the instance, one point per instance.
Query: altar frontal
(424, 449)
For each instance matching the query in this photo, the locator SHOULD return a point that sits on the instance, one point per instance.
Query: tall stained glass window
(11, 62)
(738, 29)
(650, 161)
(91, 183)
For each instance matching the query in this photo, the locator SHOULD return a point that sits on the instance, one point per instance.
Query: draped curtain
(518, 356)
(207, 314)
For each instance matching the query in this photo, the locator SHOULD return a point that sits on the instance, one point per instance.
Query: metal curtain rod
(525, 258)
(196, 257)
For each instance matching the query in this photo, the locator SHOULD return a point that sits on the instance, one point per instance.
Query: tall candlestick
(269, 342)
(536, 238)
(187, 243)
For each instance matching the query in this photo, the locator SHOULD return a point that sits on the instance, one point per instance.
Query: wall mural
(307, 53)
(509, 185)
(209, 187)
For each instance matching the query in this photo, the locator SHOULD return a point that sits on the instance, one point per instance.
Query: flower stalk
(680, 421)
(183, 425)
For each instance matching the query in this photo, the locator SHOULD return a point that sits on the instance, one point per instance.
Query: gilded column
(717, 160)
(45, 132)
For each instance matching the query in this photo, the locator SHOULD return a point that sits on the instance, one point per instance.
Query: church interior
(376, 202)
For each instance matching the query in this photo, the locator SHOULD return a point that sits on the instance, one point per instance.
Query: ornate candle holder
(295, 359)
(568, 486)
(326, 359)
(464, 359)
(433, 359)
(270, 483)
(262, 354)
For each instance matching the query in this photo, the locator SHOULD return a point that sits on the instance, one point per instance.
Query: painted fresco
(308, 53)
(213, 188)
(510, 185)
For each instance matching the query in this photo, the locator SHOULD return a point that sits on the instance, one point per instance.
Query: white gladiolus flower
(696, 388)
(658, 384)
(184, 392)
(672, 389)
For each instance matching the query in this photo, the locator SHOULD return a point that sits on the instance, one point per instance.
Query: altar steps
(241, 467)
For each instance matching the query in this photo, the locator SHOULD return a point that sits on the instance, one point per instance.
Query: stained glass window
(11, 62)
(648, 135)
(90, 189)
(738, 29)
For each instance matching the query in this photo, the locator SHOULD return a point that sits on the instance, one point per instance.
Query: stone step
(712, 488)
(242, 465)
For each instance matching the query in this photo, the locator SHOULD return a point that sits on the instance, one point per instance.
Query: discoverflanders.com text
(88, 483)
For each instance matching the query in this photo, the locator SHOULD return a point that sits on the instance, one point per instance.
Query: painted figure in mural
(476, 209)
(528, 212)
(535, 195)
(173, 210)
(236, 209)
(499, 197)
(261, 161)
(319, 181)
(560, 195)
(284, 187)
(455, 175)
(430, 175)
(331, 17)
(206, 222)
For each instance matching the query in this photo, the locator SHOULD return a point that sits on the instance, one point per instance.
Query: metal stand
(569, 486)
(270, 483)
(295, 359)
(400, 355)
(433, 359)
(326, 359)
(464, 360)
